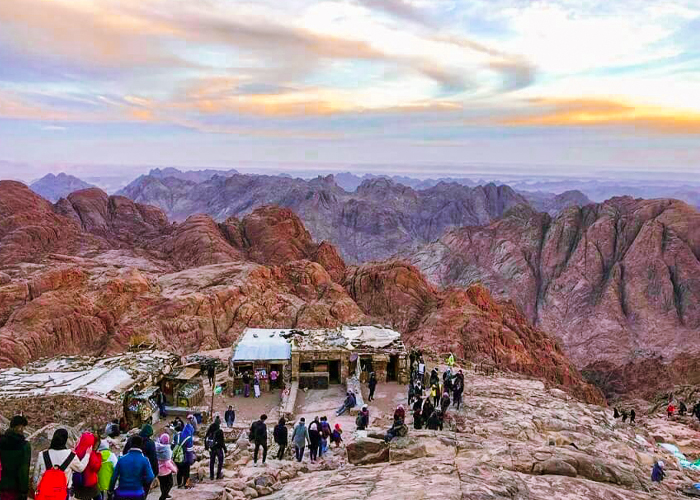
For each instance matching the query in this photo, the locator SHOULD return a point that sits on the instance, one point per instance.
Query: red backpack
(53, 484)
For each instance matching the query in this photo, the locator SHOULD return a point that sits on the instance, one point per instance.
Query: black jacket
(230, 413)
(280, 434)
(15, 455)
(219, 443)
(258, 432)
(372, 383)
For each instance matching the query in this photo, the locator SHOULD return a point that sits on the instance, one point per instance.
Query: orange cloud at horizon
(590, 112)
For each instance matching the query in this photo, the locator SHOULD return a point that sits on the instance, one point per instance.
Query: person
(246, 384)
(217, 450)
(109, 462)
(682, 409)
(183, 454)
(112, 429)
(657, 473)
(445, 402)
(211, 374)
(411, 393)
(347, 404)
(421, 368)
(166, 466)
(209, 436)
(300, 436)
(160, 401)
(400, 412)
(362, 420)
(337, 435)
(435, 394)
(230, 416)
(616, 414)
(15, 456)
(457, 393)
(314, 438)
(280, 435)
(132, 473)
(148, 448)
(89, 488)
(325, 435)
(670, 410)
(434, 377)
(256, 386)
(624, 416)
(427, 410)
(451, 360)
(273, 379)
(58, 455)
(417, 418)
(633, 415)
(434, 421)
(258, 436)
(178, 424)
(398, 428)
(372, 384)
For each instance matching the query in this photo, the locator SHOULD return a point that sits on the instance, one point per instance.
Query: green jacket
(15, 455)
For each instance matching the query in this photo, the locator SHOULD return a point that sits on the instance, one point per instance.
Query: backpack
(53, 484)
(209, 442)
(104, 475)
(178, 452)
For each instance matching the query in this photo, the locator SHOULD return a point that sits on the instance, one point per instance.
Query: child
(166, 466)
(336, 437)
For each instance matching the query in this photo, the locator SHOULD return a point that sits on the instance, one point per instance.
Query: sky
(575, 85)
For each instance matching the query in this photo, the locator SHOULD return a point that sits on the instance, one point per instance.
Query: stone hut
(329, 356)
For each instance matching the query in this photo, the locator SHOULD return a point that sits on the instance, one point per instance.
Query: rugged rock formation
(553, 204)
(616, 282)
(114, 272)
(468, 323)
(515, 439)
(380, 218)
(54, 187)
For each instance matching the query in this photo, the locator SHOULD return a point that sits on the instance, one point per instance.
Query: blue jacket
(132, 472)
(657, 474)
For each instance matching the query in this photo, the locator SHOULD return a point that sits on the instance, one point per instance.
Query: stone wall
(63, 409)
(300, 357)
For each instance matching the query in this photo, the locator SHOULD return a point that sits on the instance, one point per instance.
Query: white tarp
(372, 336)
(260, 344)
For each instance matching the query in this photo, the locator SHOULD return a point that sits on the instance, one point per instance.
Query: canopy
(260, 344)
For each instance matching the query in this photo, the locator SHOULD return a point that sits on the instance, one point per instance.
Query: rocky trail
(514, 438)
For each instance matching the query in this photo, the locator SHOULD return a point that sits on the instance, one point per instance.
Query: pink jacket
(166, 467)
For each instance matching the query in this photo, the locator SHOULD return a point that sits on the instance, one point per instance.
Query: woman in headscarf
(185, 439)
(89, 488)
(57, 454)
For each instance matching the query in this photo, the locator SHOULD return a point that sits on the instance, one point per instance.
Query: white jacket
(57, 458)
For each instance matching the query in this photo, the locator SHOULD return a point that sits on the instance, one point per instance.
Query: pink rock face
(114, 272)
(616, 282)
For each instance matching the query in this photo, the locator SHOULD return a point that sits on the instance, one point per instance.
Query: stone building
(260, 351)
(329, 356)
(73, 389)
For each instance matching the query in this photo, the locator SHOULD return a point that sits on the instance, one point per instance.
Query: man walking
(258, 435)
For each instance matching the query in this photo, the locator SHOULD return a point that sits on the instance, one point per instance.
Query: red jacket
(87, 440)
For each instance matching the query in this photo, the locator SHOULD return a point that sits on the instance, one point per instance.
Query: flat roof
(262, 344)
(84, 375)
(350, 338)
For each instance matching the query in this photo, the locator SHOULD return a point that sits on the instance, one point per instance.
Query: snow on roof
(258, 344)
(351, 338)
(84, 374)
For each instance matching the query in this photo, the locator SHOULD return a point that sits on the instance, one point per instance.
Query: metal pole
(213, 388)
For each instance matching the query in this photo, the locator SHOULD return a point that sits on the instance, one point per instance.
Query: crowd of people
(93, 471)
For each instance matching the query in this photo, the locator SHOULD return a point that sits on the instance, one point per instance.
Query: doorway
(392, 369)
(334, 371)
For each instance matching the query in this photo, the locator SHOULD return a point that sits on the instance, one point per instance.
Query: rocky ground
(512, 439)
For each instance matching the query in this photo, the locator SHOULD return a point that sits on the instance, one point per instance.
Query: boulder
(555, 467)
(367, 451)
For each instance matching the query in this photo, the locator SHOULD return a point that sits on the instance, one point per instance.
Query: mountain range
(94, 273)
(54, 187)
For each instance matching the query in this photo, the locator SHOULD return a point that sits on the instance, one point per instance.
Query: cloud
(400, 9)
(596, 112)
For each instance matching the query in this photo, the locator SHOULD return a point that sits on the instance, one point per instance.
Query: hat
(190, 417)
(146, 431)
(660, 463)
(104, 445)
(164, 438)
(364, 407)
(18, 420)
(337, 427)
